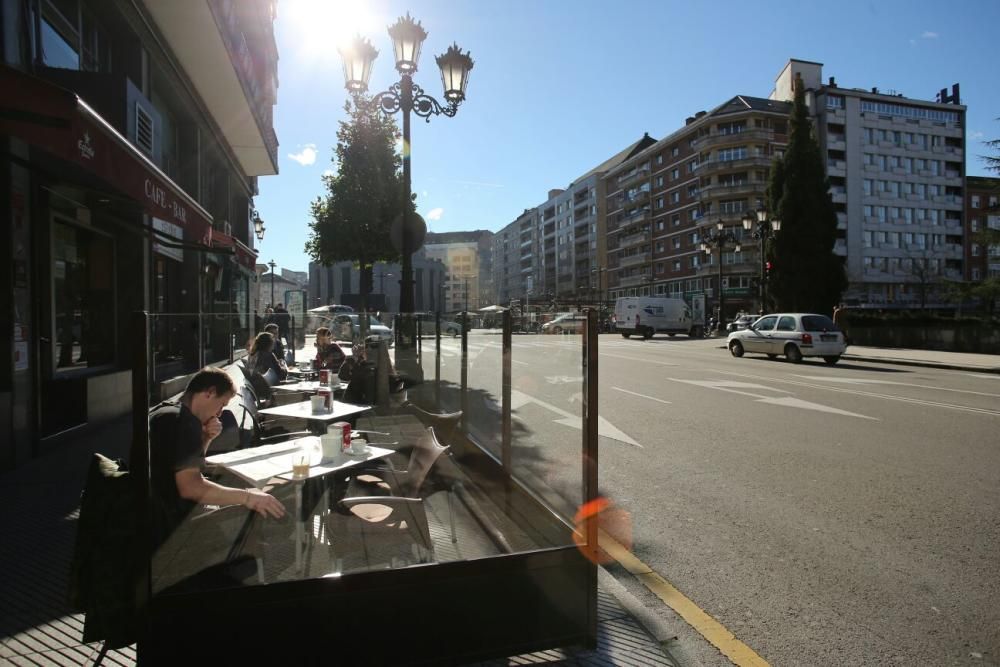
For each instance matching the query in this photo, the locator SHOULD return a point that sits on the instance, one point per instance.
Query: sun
(320, 26)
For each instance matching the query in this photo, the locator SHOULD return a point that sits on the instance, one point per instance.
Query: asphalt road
(826, 515)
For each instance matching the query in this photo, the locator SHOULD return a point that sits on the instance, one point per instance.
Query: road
(825, 515)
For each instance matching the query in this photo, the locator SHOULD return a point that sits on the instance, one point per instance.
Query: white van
(648, 315)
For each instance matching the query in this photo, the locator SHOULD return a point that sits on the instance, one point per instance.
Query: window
(675, 174)
(677, 265)
(83, 298)
(675, 151)
(675, 221)
(675, 197)
(786, 323)
(730, 154)
(975, 201)
(677, 243)
(659, 181)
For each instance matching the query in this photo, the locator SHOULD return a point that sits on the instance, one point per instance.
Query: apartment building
(131, 138)
(982, 208)
(340, 283)
(461, 286)
(557, 249)
(896, 166)
(661, 201)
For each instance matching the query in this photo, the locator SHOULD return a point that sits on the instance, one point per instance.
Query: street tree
(352, 220)
(806, 275)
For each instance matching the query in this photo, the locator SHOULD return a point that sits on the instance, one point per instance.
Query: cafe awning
(58, 122)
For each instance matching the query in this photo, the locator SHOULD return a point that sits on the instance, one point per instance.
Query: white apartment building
(897, 174)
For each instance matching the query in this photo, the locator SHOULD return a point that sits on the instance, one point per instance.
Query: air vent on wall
(143, 130)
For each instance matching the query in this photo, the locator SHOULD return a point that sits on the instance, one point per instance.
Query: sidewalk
(962, 361)
(39, 504)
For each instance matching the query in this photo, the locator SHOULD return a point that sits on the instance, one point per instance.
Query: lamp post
(407, 37)
(602, 286)
(381, 287)
(761, 228)
(719, 239)
(272, 265)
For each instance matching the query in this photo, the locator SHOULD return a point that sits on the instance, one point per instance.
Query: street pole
(722, 294)
(406, 268)
(272, 265)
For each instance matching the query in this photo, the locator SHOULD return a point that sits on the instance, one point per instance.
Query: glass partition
(272, 497)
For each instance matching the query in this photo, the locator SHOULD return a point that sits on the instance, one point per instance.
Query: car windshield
(818, 323)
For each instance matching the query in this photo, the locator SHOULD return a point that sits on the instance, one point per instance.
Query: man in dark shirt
(179, 435)
(283, 319)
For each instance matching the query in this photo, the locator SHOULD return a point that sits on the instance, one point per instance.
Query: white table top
(256, 465)
(303, 410)
(307, 385)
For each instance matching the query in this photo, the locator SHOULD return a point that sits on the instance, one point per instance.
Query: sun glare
(323, 25)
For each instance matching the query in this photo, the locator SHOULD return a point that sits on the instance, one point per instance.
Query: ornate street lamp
(258, 226)
(719, 239)
(407, 38)
(761, 228)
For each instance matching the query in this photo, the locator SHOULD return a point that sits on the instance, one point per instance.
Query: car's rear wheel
(452, 331)
(793, 353)
(625, 334)
(557, 330)
(696, 332)
(736, 348)
(832, 359)
(671, 334)
(647, 333)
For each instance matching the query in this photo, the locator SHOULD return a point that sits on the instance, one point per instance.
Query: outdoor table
(307, 385)
(257, 465)
(318, 422)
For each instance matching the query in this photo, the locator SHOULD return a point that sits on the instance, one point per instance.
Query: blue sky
(559, 86)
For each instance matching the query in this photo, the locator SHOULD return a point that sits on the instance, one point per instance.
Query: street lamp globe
(357, 57)
(761, 214)
(258, 226)
(455, 67)
(407, 37)
(749, 219)
(720, 225)
(776, 225)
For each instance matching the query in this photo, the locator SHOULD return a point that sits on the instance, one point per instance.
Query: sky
(559, 86)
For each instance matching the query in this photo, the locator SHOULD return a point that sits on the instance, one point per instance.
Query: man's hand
(210, 430)
(264, 504)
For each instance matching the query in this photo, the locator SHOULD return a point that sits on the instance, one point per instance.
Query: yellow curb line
(739, 653)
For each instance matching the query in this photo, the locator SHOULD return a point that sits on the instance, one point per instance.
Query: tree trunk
(366, 288)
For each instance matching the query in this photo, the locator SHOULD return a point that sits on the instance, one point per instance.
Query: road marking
(604, 427)
(642, 361)
(708, 627)
(784, 401)
(626, 391)
(889, 397)
(822, 378)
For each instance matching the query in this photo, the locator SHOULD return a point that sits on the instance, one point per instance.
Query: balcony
(710, 166)
(236, 80)
(632, 177)
(629, 281)
(636, 198)
(634, 260)
(633, 239)
(836, 142)
(839, 167)
(716, 139)
(634, 217)
(730, 189)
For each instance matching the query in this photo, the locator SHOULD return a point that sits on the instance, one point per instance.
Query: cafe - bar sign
(165, 200)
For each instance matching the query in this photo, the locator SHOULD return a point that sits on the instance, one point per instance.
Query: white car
(346, 326)
(795, 335)
(567, 322)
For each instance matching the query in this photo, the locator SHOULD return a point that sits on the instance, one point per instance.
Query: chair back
(424, 455)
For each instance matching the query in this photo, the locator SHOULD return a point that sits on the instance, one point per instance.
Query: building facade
(131, 138)
(982, 206)
(341, 284)
(896, 167)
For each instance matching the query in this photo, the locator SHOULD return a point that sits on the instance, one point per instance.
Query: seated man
(328, 353)
(179, 436)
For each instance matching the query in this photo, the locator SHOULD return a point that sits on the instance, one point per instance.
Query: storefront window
(83, 298)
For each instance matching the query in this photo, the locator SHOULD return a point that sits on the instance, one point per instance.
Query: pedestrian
(840, 321)
(284, 320)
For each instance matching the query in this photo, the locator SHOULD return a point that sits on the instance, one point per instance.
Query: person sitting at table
(179, 436)
(279, 347)
(328, 353)
(262, 359)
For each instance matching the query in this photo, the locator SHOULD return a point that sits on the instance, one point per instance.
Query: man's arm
(191, 485)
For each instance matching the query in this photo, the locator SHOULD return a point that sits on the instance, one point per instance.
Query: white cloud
(435, 214)
(976, 135)
(929, 35)
(306, 156)
(328, 172)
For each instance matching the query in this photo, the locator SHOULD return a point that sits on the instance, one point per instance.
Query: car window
(786, 323)
(818, 323)
(765, 323)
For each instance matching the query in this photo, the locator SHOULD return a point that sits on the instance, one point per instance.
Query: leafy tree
(806, 275)
(352, 221)
(992, 161)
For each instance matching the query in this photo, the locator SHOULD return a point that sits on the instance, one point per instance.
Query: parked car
(566, 322)
(795, 335)
(741, 322)
(347, 326)
(428, 322)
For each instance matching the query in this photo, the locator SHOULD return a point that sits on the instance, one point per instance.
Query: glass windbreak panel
(83, 296)
(254, 482)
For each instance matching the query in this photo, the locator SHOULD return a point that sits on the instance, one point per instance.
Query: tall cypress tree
(806, 275)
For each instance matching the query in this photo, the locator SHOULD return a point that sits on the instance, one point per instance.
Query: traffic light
(767, 269)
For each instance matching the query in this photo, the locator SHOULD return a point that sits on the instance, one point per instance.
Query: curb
(657, 628)
(922, 364)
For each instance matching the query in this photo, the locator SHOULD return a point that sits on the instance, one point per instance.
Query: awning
(245, 257)
(57, 121)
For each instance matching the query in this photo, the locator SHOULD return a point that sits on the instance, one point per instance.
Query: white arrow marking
(790, 402)
(731, 386)
(604, 427)
(652, 398)
(822, 378)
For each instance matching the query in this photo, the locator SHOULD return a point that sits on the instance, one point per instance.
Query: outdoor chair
(374, 523)
(262, 431)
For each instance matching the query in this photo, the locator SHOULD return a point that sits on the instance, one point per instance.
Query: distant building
(341, 284)
(982, 207)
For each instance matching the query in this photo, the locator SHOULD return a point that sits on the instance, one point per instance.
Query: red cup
(345, 429)
(324, 376)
